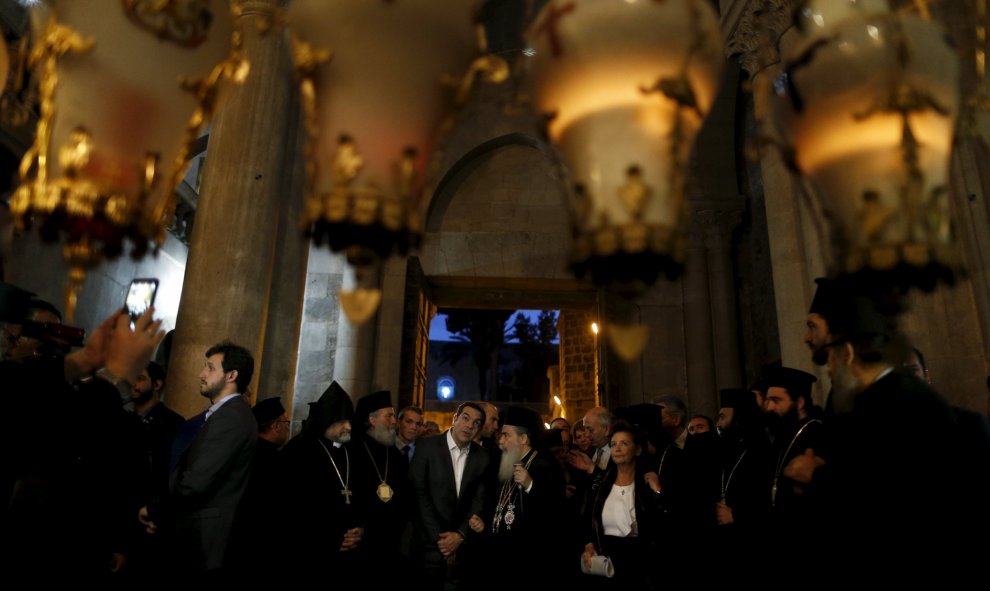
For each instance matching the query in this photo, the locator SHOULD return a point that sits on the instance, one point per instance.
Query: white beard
(342, 437)
(510, 457)
(383, 434)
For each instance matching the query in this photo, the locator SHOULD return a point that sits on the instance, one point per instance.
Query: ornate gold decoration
(548, 26)
(19, 93)
(234, 69)
(883, 194)
(487, 66)
(359, 305)
(755, 36)
(183, 22)
(88, 212)
(627, 222)
(628, 340)
(369, 205)
(362, 194)
(634, 194)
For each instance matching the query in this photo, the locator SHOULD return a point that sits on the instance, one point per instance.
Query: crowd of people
(105, 482)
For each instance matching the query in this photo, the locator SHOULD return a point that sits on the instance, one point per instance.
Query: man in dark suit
(212, 474)
(447, 474)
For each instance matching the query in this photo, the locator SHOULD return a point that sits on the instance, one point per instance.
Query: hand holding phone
(140, 296)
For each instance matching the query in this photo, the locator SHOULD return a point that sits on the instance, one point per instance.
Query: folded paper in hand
(600, 565)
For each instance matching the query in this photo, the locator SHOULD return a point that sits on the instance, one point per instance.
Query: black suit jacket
(439, 509)
(207, 485)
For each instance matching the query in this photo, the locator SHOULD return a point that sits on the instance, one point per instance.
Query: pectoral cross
(347, 496)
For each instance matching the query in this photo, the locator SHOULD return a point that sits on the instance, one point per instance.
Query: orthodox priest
(381, 484)
(325, 518)
(796, 427)
(529, 506)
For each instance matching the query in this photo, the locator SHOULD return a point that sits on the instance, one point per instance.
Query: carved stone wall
(579, 361)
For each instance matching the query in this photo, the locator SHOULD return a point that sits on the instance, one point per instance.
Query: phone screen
(140, 297)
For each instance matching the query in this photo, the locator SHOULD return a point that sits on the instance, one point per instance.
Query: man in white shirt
(448, 476)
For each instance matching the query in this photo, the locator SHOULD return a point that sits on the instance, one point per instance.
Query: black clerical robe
(385, 498)
(898, 476)
(321, 478)
(527, 529)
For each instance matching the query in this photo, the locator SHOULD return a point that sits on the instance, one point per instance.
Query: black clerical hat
(830, 296)
(796, 382)
(760, 384)
(858, 318)
(520, 416)
(267, 410)
(736, 398)
(370, 403)
(333, 406)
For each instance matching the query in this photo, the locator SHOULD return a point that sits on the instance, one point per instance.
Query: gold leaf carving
(183, 22)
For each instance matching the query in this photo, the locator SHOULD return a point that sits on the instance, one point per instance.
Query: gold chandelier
(628, 85)
(867, 108)
(125, 88)
(370, 76)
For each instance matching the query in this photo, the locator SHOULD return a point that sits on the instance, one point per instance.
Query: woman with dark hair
(624, 513)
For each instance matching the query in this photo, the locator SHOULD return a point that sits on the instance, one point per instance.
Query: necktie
(405, 451)
(598, 456)
(458, 469)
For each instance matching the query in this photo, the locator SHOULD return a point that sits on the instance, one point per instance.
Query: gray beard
(383, 434)
(510, 457)
(344, 437)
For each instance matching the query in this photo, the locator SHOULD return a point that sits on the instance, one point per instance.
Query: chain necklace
(780, 462)
(345, 491)
(726, 483)
(505, 510)
(384, 490)
(664, 457)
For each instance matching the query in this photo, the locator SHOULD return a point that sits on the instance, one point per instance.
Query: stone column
(719, 222)
(699, 348)
(795, 232)
(288, 285)
(229, 270)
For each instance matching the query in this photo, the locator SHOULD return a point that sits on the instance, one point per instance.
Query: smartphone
(140, 297)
